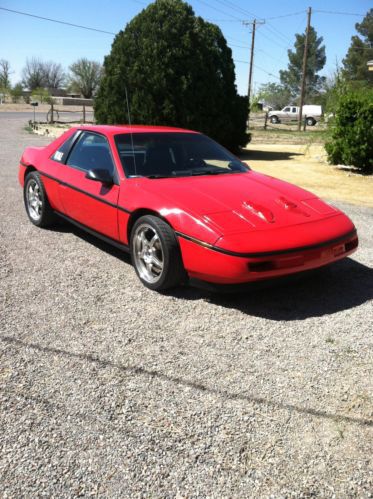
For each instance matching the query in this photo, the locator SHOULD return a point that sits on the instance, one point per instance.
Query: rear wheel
(37, 205)
(155, 254)
(310, 121)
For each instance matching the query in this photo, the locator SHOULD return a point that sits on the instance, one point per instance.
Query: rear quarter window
(61, 154)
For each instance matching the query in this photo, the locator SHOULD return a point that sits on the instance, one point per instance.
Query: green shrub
(351, 141)
(41, 95)
(178, 71)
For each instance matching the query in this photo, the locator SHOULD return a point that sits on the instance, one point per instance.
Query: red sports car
(182, 205)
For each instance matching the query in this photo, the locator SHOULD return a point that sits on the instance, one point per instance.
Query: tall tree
(33, 74)
(85, 77)
(54, 75)
(5, 74)
(40, 74)
(316, 59)
(360, 52)
(178, 70)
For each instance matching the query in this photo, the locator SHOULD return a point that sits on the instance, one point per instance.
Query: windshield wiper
(158, 175)
(210, 172)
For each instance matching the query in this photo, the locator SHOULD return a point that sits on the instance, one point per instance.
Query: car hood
(242, 202)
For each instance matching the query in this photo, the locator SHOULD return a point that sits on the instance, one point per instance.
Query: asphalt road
(109, 389)
(26, 116)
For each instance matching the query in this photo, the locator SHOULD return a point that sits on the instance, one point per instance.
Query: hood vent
(260, 211)
(291, 206)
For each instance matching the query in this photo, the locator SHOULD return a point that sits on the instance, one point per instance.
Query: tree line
(83, 77)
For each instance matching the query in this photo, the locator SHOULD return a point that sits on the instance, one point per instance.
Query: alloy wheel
(148, 253)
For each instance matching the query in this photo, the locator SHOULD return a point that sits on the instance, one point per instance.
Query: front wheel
(155, 254)
(274, 120)
(37, 205)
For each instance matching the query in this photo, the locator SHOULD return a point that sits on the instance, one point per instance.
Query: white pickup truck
(311, 113)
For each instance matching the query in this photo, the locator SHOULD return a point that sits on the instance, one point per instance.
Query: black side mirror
(100, 175)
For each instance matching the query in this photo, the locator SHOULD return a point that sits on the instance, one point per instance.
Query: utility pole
(251, 61)
(304, 69)
(254, 23)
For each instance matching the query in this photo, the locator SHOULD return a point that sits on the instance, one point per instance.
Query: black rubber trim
(104, 238)
(263, 284)
(61, 182)
(264, 254)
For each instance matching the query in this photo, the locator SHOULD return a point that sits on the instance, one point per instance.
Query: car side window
(62, 152)
(92, 151)
(287, 109)
(294, 109)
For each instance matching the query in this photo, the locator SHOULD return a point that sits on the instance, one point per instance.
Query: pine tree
(360, 52)
(316, 59)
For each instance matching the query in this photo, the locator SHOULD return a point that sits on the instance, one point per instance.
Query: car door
(87, 201)
(287, 114)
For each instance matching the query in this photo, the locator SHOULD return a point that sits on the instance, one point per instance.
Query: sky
(24, 37)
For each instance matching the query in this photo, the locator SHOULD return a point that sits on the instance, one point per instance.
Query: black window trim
(74, 143)
(75, 136)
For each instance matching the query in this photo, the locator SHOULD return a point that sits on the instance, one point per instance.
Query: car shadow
(254, 155)
(344, 285)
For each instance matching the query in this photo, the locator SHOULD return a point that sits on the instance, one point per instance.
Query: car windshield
(161, 154)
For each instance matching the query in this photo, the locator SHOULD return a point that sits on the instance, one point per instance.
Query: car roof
(118, 129)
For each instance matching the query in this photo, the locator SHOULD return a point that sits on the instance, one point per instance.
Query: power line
(339, 13)
(224, 20)
(219, 10)
(237, 40)
(271, 40)
(239, 46)
(272, 29)
(286, 15)
(257, 67)
(57, 21)
(235, 7)
(264, 71)
(271, 56)
(275, 31)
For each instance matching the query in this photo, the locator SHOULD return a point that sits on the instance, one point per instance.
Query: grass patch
(28, 128)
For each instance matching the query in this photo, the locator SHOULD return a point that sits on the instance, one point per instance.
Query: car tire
(310, 121)
(274, 120)
(155, 254)
(36, 201)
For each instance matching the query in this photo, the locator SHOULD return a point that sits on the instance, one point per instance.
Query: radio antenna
(130, 124)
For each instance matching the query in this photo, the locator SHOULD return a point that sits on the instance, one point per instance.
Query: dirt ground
(306, 166)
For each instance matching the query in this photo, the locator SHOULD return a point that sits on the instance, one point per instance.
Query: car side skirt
(109, 240)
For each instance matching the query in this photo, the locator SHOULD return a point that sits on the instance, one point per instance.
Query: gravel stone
(108, 389)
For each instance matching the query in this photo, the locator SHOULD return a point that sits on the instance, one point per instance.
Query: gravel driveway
(112, 390)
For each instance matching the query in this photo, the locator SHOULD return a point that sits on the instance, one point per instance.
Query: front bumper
(206, 263)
